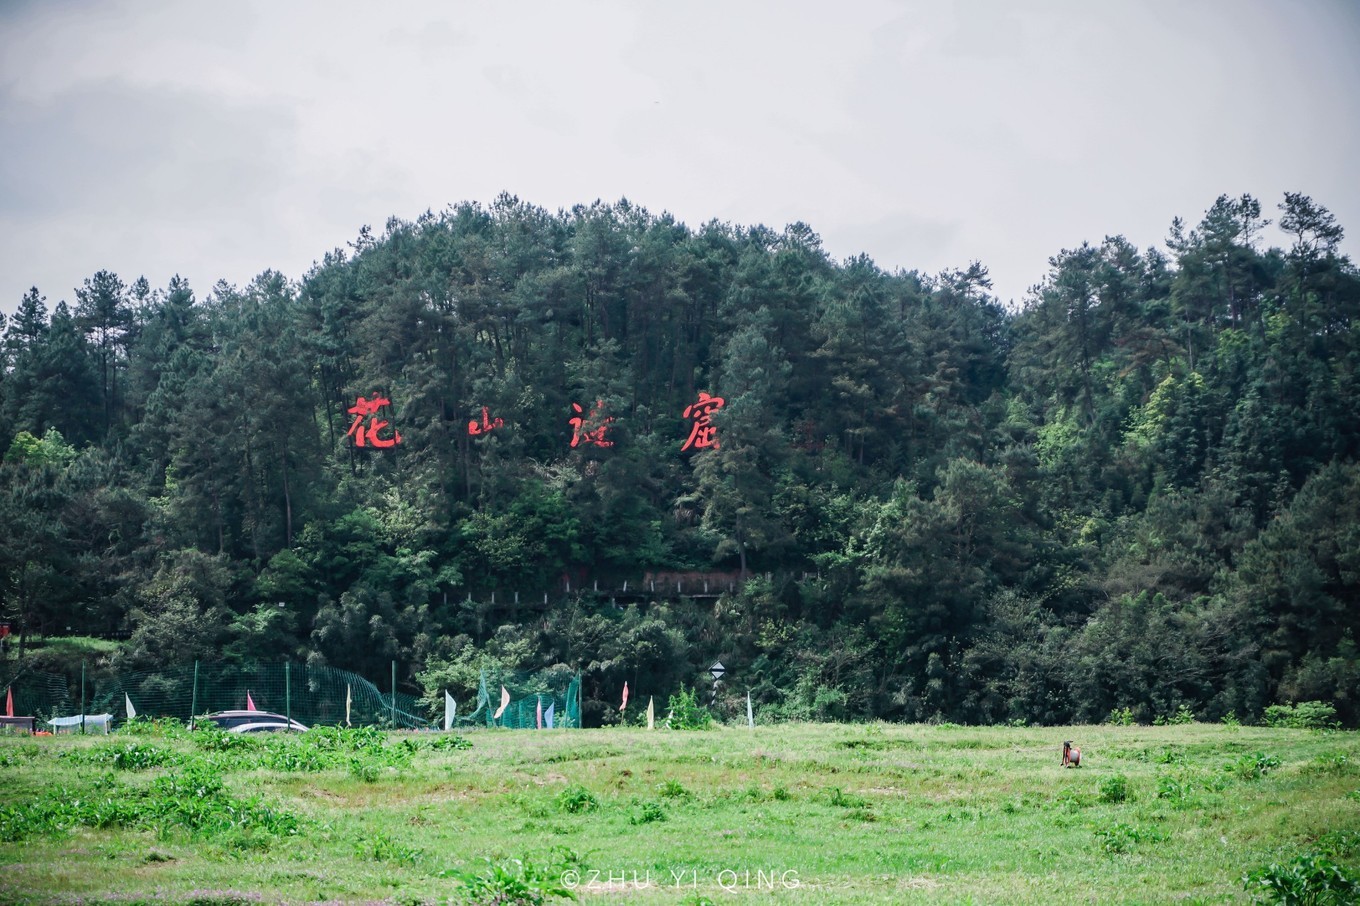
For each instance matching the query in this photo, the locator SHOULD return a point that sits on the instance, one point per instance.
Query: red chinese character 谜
(703, 433)
(365, 435)
(582, 432)
(487, 424)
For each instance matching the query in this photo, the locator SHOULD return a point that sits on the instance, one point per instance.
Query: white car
(254, 722)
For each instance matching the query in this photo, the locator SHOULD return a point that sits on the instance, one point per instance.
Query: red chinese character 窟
(703, 433)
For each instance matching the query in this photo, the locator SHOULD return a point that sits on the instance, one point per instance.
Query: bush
(1302, 716)
(577, 799)
(513, 882)
(687, 713)
(1253, 766)
(651, 811)
(1183, 715)
(1310, 879)
(1120, 717)
(1114, 788)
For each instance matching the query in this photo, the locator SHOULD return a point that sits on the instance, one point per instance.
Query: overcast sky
(219, 140)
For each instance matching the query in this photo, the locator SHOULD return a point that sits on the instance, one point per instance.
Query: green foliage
(1114, 789)
(1137, 495)
(1301, 716)
(513, 882)
(1308, 880)
(1253, 766)
(1120, 717)
(651, 811)
(1124, 838)
(576, 799)
(192, 798)
(686, 713)
(1183, 715)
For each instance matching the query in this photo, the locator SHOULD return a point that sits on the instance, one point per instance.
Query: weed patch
(1309, 879)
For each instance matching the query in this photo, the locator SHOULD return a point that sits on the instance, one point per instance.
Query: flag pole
(193, 700)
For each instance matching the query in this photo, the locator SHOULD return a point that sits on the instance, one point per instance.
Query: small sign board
(717, 670)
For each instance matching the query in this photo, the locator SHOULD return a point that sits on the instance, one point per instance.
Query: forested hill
(1139, 491)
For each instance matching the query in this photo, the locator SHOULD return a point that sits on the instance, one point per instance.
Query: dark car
(253, 722)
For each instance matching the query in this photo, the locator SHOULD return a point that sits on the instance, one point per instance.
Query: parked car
(254, 722)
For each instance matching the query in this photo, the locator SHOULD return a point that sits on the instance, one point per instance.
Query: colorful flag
(651, 714)
(450, 711)
(505, 703)
(127, 703)
(548, 716)
(9, 701)
(750, 716)
(250, 702)
(540, 712)
(349, 702)
(625, 697)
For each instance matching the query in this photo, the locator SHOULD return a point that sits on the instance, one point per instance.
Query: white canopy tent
(94, 723)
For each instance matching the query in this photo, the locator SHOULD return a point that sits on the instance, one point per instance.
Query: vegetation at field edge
(809, 813)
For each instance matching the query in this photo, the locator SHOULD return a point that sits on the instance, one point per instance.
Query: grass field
(798, 813)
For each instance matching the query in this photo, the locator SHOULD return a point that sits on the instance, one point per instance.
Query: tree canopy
(1139, 490)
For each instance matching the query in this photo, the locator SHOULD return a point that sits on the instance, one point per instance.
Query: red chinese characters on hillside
(487, 425)
(590, 430)
(367, 434)
(703, 433)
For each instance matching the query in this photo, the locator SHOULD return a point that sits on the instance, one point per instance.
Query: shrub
(1302, 716)
(1114, 788)
(1120, 717)
(1253, 766)
(512, 882)
(1310, 879)
(577, 799)
(687, 713)
(672, 789)
(651, 811)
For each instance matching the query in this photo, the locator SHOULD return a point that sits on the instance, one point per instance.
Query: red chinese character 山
(703, 433)
(365, 435)
(487, 425)
(582, 433)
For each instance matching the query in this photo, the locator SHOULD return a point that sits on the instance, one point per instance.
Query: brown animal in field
(1071, 755)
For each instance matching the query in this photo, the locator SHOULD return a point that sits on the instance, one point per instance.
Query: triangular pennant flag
(651, 714)
(450, 711)
(250, 702)
(349, 702)
(625, 696)
(750, 716)
(540, 712)
(548, 716)
(505, 703)
(127, 703)
(9, 701)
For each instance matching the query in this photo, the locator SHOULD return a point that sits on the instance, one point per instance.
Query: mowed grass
(798, 813)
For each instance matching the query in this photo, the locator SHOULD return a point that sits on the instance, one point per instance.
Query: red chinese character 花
(487, 424)
(368, 434)
(582, 433)
(703, 433)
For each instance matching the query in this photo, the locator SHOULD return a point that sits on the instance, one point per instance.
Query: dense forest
(451, 444)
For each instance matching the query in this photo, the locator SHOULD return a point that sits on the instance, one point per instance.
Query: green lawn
(799, 813)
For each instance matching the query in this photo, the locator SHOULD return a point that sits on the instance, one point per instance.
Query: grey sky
(218, 140)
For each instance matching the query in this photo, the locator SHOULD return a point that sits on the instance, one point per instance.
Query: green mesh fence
(533, 702)
(313, 695)
(40, 695)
